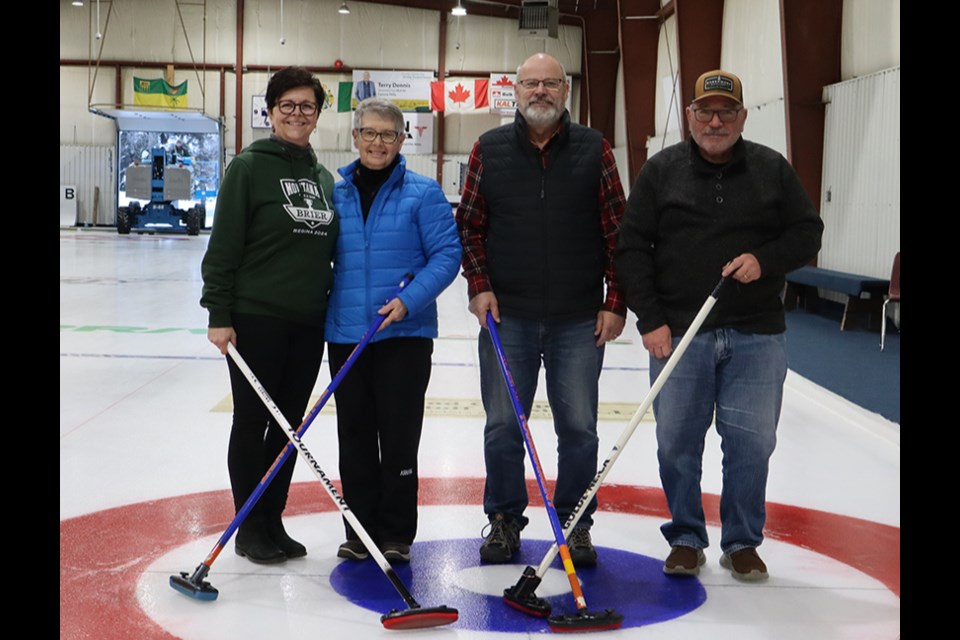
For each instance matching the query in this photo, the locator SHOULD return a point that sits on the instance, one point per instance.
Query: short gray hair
(379, 107)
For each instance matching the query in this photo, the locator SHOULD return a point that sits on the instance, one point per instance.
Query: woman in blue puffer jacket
(392, 221)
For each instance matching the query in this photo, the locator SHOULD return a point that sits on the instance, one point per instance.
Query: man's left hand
(395, 311)
(744, 268)
(609, 327)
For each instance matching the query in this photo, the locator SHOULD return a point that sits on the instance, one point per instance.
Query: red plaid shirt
(473, 218)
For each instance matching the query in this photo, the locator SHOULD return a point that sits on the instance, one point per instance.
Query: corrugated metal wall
(88, 167)
(861, 174)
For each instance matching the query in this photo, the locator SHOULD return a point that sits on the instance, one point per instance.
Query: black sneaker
(499, 543)
(353, 550)
(396, 551)
(581, 548)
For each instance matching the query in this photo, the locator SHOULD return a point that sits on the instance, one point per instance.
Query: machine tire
(194, 221)
(123, 221)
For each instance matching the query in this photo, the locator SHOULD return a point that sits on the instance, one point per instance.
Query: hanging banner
(259, 118)
(503, 98)
(409, 90)
(419, 127)
(159, 93)
(459, 95)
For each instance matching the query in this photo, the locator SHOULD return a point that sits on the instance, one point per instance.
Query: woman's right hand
(221, 337)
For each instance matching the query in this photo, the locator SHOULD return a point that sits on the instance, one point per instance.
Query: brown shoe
(684, 561)
(745, 565)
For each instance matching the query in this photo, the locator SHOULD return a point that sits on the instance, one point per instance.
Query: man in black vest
(539, 218)
(714, 205)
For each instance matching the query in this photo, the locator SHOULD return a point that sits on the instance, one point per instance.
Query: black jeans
(379, 421)
(285, 356)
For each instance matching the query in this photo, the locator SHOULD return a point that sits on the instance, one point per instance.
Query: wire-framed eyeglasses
(551, 84)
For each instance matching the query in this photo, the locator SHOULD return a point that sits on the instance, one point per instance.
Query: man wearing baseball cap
(716, 205)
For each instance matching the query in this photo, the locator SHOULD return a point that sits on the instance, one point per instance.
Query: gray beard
(542, 117)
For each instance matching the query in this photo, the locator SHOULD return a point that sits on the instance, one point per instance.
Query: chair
(893, 295)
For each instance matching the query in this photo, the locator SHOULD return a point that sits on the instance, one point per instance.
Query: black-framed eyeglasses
(389, 136)
(548, 83)
(288, 107)
(726, 115)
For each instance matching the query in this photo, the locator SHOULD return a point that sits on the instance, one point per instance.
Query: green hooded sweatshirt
(273, 237)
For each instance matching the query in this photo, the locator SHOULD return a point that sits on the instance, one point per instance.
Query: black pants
(285, 356)
(379, 421)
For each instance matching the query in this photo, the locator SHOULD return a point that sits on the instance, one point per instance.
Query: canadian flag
(459, 95)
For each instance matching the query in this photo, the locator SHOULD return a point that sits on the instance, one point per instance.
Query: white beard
(541, 113)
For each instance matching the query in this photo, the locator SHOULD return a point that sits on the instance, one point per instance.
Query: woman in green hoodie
(266, 278)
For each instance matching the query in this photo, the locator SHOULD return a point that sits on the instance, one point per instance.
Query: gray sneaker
(581, 548)
(501, 539)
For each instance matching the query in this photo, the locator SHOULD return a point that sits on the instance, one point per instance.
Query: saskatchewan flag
(159, 93)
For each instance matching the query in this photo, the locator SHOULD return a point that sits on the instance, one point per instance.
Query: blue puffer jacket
(410, 228)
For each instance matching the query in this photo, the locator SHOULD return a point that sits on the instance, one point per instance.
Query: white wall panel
(149, 30)
(871, 37)
(89, 166)
(77, 124)
(481, 43)
(372, 35)
(751, 48)
(766, 125)
(387, 37)
(861, 174)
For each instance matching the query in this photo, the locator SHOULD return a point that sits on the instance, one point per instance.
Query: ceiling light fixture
(458, 10)
(344, 10)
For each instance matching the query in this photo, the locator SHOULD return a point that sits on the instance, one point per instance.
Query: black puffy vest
(544, 241)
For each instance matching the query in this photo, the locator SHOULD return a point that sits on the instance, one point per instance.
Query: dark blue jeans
(572, 363)
(738, 376)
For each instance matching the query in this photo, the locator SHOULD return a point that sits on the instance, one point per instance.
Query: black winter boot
(279, 536)
(254, 543)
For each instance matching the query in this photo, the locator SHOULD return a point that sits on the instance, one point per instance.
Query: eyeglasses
(726, 115)
(288, 107)
(388, 136)
(551, 84)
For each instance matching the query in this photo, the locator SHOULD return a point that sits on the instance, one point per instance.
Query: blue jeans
(740, 377)
(572, 363)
